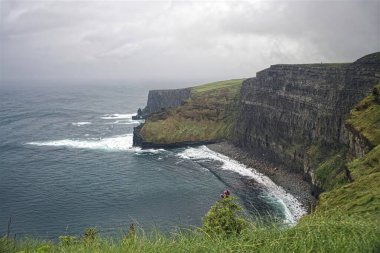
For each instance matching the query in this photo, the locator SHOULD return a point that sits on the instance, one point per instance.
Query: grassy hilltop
(207, 116)
(346, 219)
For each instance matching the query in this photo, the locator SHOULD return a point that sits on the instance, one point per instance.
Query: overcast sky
(180, 41)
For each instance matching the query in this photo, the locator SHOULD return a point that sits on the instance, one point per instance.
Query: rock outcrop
(162, 99)
(358, 144)
(286, 108)
(361, 130)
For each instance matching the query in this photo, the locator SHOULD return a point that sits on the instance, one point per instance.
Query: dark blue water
(67, 163)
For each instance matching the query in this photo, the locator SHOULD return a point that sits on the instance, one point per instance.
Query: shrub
(90, 234)
(224, 218)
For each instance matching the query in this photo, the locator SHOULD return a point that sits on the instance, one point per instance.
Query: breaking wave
(121, 119)
(125, 122)
(81, 123)
(111, 144)
(117, 143)
(293, 209)
(118, 116)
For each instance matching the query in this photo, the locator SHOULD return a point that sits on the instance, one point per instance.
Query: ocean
(67, 163)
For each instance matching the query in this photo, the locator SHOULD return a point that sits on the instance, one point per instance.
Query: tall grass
(315, 233)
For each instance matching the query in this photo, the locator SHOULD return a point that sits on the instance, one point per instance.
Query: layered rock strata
(286, 108)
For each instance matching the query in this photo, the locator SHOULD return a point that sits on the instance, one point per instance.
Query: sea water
(67, 163)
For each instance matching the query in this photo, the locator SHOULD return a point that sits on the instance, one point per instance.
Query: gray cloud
(184, 41)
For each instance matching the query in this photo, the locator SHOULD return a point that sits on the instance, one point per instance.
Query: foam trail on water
(81, 123)
(293, 209)
(117, 143)
(118, 116)
(111, 144)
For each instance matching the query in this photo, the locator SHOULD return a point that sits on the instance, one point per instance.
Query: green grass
(313, 234)
(328, 162)
(365, 117)
(330, 172)
(232, 86)
(362, 196)
(367, 165)
(207, 116)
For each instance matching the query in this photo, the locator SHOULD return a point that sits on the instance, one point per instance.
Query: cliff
(163, 99)
(288, 110)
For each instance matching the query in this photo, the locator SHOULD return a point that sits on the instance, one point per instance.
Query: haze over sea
(67, 163)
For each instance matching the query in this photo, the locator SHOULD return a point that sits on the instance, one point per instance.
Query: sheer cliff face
(285, 108)
(162, 99)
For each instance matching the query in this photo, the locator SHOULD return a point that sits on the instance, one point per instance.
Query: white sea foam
(118, 116)
(81, 123)
(293, 209)
(116, 143)
(139, 151)
(125, 122)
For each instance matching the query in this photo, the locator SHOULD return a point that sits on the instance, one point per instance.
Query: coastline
(291, 182)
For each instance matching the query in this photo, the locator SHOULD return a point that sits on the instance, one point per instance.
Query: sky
(182, 42)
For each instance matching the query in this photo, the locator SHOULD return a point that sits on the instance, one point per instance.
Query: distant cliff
(163, 99)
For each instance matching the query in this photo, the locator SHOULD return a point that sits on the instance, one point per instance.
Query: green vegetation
(225, 218)
(331, 171)
(367, 165)
(365, 117)
(231, 87)
(313, 234)
(362, 196)
(328, 162)
(207, 116)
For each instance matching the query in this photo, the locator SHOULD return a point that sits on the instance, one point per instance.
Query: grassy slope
(346, 220)
(328, 162)
(362, 196)
(207, 116)
(365, 117)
